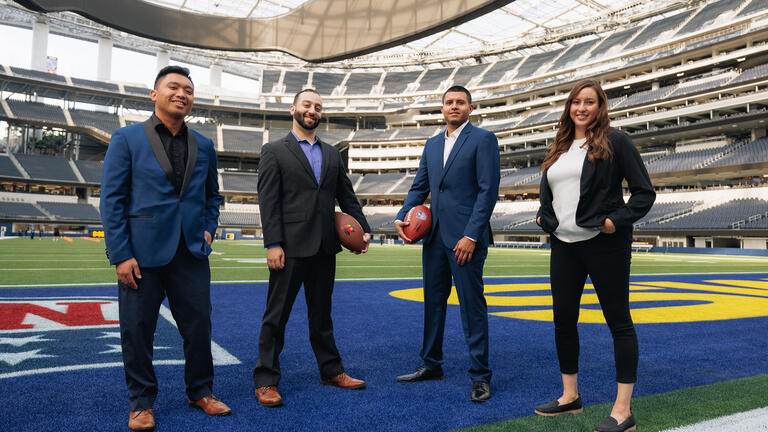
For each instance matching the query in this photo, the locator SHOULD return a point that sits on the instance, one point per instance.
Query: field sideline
(688, 375)
(25, 262)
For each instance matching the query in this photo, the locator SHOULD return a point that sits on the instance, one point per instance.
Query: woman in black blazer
(590, 226)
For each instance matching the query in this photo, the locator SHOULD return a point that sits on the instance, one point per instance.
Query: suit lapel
(435, 161)
(158, 149)
(456, 147)
(295, 148)
(326, 160)
(191, 159)
(587, 172)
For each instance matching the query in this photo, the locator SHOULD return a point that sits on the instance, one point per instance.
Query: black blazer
(296, 211)
(601, 196)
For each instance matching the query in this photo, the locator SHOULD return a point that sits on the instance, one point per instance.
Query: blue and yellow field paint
(665, 301)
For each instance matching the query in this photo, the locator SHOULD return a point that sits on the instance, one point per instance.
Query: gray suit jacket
(296, 211)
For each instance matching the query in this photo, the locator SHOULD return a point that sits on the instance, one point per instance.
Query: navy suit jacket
(142, 214)
(464, 192)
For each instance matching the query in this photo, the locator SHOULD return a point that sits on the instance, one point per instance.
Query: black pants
(606, 259)
(317, 274)
(186, 281)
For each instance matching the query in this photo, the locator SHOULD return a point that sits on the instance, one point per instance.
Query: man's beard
(299, 117)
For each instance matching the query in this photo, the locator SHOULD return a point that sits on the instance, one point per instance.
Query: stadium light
(741, 59)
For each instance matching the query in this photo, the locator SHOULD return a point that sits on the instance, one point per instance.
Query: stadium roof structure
(361, 33)
(316, 30)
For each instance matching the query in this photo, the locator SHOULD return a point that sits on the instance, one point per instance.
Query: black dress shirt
(176, 149)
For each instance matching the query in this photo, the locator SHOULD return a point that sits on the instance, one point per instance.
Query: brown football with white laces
(419, 221)
(349, 231)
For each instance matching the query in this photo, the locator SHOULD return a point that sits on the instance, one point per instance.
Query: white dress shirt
(450, 140)
(564, 177)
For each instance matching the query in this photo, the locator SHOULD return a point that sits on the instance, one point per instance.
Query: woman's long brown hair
(597, 130)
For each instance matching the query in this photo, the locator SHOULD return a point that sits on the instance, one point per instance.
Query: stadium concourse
(686, 79)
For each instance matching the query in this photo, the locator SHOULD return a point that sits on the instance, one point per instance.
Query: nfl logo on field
(44, 335)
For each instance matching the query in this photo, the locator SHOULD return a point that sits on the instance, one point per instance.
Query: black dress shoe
(554, 408)
(481, 392)
(422, 374)
(610, 424)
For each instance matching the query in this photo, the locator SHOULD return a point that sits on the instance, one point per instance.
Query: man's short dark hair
(306, 90)
(458, 88)
(173, 70)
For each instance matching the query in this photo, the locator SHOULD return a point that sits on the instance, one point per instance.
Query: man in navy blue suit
(159, 207)
(460, 169)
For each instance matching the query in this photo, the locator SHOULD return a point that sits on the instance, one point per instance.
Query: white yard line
(221, 282)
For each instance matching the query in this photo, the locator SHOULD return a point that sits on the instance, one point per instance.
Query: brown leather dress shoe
(142, 420)
(345, 381)
(268, 396)
(211, 405)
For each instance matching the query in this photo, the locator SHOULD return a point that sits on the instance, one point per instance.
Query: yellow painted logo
(651, 302)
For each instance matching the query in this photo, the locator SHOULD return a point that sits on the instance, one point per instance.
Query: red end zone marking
(12, 315)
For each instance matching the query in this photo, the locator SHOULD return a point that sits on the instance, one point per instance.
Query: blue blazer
(464, 192)
(142, 214)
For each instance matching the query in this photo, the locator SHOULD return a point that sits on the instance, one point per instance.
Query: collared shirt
(175, 147)
(314, 153)
(450, 140)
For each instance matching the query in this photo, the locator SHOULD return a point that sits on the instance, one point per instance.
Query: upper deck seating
(47, 167)
(709, 14)
(90, 170)
(7, 168)
(239, 182)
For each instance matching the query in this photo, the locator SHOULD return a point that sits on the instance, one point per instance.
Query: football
(420, 222)
(349, 231)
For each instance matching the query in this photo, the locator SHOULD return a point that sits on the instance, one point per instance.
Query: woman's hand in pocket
(607, 227)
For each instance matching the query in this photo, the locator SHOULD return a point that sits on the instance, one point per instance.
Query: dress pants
(440, 266)
(606, 259)
(317, 274)
(186, 281)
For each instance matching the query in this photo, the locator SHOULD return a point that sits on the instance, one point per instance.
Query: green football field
(44, 262)
(76, 262)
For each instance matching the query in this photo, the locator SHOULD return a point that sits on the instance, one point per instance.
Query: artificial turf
(656, 412)
(31, 262)
(684, 375)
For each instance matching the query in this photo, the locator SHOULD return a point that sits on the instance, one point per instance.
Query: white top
(564, 178)
(450, 140)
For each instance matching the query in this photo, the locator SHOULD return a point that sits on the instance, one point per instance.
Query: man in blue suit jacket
(160, 206)
(460, 169)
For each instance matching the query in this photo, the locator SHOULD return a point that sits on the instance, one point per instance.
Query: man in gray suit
(300, 179)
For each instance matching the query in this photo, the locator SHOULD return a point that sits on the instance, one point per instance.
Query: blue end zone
(379, 337)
